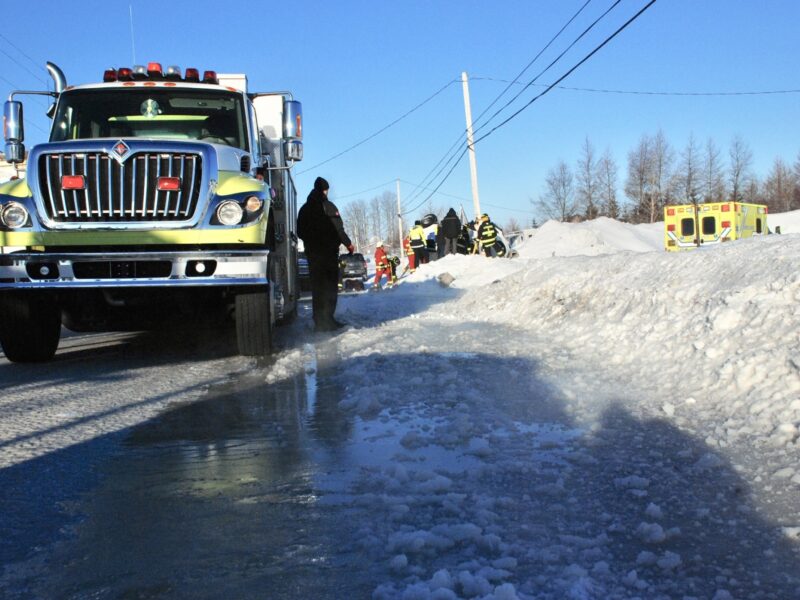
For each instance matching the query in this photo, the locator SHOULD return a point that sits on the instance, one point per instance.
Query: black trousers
(422, 256)
(324, 271)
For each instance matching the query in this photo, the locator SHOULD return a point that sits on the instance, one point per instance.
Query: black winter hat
(320, 184)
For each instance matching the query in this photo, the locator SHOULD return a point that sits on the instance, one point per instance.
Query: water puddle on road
(243, 494)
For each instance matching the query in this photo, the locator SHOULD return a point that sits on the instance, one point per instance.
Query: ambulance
(688, 226)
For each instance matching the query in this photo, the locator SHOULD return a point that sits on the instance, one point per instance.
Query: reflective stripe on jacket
(487, 234)
(417, 237)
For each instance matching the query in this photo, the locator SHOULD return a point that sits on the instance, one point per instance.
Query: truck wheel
(30, 326)
(254, 323)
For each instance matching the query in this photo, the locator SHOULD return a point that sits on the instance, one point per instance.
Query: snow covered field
(596, 419)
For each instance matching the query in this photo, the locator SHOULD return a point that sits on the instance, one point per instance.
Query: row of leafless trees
(368, 222)
(658, 174)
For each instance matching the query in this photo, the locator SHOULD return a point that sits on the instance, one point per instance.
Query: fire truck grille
(110, 192)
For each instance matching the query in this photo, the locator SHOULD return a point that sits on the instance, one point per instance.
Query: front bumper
(42, 270)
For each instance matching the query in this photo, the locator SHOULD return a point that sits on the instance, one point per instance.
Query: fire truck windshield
(213, 116)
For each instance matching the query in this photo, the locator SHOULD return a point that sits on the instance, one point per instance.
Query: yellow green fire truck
(160, 197)
(689, 226)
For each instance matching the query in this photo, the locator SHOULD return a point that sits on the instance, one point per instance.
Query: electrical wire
(414, 192)
(457, 156)
(548, 89)
(377, 187)
(382, 129)
(23, 66)
(647, 92)
(22, 52)
(572, 70)
(553, 62)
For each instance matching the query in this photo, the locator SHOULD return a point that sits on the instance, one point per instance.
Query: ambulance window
(687, 227)
(758, 225)
(709, 225)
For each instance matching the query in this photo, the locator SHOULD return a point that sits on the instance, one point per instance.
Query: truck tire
(30, 326)
(254, 323)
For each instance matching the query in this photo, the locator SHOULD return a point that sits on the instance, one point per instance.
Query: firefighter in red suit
(382, 267)
(412, 262)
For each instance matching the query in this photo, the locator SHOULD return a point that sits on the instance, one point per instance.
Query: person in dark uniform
(320, 227)
(450, 228)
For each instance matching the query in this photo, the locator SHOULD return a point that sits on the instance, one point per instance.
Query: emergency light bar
(153, 71)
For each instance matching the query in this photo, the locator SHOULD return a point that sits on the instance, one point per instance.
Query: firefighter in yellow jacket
(487, 236)
(417, 240)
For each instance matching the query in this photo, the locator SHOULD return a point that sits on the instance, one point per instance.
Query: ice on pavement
(596, 419)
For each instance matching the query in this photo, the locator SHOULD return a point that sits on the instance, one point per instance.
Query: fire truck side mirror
(13, 131)
(293, 150)
(292, 120)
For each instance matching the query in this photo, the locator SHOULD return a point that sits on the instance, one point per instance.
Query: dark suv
(353, 266)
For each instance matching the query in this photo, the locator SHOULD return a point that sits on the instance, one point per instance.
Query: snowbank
(579, 422)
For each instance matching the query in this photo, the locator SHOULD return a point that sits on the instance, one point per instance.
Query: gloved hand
(351, 249)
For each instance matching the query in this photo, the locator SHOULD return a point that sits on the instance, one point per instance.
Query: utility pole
(473, 165)
(399, 220)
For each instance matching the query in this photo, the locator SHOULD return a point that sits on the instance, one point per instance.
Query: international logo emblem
(120, 151)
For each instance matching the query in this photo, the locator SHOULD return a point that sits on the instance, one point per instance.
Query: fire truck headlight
(14, 215)
(230, 213)
(253, 204)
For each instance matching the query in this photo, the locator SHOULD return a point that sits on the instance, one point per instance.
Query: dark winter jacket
(320, 226)
(451, 224)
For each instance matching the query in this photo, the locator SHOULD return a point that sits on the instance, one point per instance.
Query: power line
(23, 66)
(469, 200)
(648, 92)
(568, 73)
(382, 129)
(550, 87)
(458, 157)
(553, 62)
(377, 187)
(535, 58)
(22, 52)
(416, 192)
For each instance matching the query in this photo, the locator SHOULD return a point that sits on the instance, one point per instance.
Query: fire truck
(160, 198)
(690, 226)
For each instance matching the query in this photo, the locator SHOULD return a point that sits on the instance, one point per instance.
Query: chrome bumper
(136, 269)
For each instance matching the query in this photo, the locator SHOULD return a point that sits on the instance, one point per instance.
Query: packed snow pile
(586, 421)
(789, 222)
(589, 238)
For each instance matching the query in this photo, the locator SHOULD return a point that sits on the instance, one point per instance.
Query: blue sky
(359, 65)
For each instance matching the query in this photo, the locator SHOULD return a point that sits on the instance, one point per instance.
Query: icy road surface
(537, 430)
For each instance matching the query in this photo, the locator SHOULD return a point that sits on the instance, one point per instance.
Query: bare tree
(356, 217)
(752, 190)
(607, 185)
(512, 225)
(558, 199)
(636, 184)
(713, 183)
(389, 234)
(779, 187)
(741, 161)
(796, 195)
(660, 173)
(587, 189)
(687, 176)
